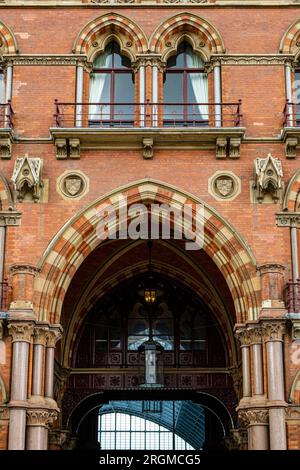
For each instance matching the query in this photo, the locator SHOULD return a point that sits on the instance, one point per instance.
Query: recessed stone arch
(78, 238)
(202, 35)
(290, 42)
(95, 35)
(8, 42)
(295, 390)
(291, 200)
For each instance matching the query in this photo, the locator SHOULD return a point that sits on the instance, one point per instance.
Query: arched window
(185, 89)
(111, 89)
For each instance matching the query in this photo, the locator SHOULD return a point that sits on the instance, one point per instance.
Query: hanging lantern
(151, 350)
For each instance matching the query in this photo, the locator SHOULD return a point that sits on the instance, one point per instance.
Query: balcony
(147, 126)
(6, 130)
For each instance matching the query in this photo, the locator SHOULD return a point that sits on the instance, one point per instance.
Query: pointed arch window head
(185, 89)
(111, 89)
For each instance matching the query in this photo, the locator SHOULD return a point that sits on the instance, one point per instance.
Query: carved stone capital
(20, 331)
(236, 374)
(243, 336)
(10, 218)
(41, 417)
(52, 336)
(271, 268)
(24, 269)
(4, 413)
(273, 331)
(286, 219)
(293, 413)
(253, 417)
(255, 335)
(40, 335)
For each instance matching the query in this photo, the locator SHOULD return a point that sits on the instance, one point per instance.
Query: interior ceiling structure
(185, 418)
(116, 261)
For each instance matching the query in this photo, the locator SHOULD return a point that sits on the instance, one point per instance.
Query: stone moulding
(288, 219)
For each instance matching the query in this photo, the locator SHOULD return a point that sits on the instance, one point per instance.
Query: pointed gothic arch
(8, 42)
(290, 40)
(291, 200)
(95, 35)
(203, 36)
(78, 238)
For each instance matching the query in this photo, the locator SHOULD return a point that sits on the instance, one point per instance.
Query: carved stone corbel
(147, 148)
(74, 145)
(290, 147)
(61, 149)
(234, 147)
(221, 147)
(5, 148)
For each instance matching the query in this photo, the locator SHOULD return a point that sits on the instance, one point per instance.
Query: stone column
(21, 337)
(217, 92)
(294, 251)
(39, 342)
(22, 283)
(38, 421)
(257, 361)
(243, 336)
(53, 335)
(79, 91)
(256, 420)
(288, 88)
(273, 336)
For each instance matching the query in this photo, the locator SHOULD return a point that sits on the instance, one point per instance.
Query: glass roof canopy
(184, 418)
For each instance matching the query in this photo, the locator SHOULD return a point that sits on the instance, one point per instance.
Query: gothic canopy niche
(268, 184)
(93, 38)
(27, 178)
(203, 36)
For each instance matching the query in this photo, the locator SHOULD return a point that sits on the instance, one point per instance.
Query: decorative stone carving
(268, 178)
(243, 336)
(147, 148)
(74, 145)
(253, 417)
(234, 147)
(243, 418)
(24, 269)
(27, 178)
(236, 374)
(10, 218)
(5, 148)
(52, 336)
(290, 147)
(251, 59)
(293, 413)
(221, 147)
(61, 149)
(224, 185)
(285, 219)
(20, 331)
(273, 331)
(40, 335)
(73, 184)
(45, 59)
(255, 335)
(41, 417)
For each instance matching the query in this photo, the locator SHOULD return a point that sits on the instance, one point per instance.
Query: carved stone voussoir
(21, 331)
(273, 331)
(41, 417)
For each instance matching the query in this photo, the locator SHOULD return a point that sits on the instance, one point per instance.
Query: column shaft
(155, 95)
(294, 250)
(79, 91)
(246, 371)
(37, 379)
(217, 92)
(257, 369)
(142, 95)
(49, 375)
